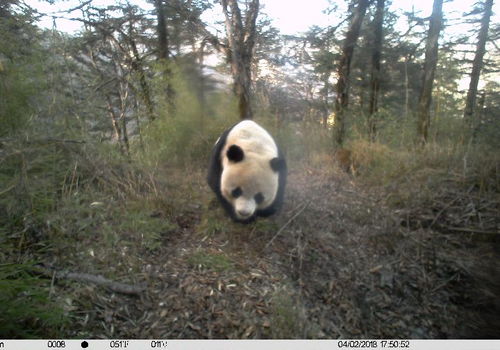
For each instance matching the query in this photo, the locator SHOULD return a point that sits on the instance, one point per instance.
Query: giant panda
(247, 172)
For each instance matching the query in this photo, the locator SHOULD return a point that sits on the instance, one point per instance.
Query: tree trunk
(342, 87)
(117, 134)
(431, 57)
(161, 31)
(138, 66)
(407, 88)
(201, 89)
(241, 39)
(163, 53)
(378, 23)
(478, 116)
(470, 104)
(124, 90)
(325, 105)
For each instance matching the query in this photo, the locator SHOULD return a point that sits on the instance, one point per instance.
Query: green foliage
(300, 141)
(15, 93)
(26, 310)
(35, 77)
(32, 177)
(187, 136)
(21, 76)
(213, 222)
(487, 123)
(56, 198)
(138, 220)
(265, 225)
(32, 180)
(33, 174)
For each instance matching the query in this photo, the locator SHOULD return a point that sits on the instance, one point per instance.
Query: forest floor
(337, 261)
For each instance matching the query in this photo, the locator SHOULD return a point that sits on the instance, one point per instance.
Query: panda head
(249, 182)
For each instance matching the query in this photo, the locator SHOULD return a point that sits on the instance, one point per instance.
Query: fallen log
(99, 280)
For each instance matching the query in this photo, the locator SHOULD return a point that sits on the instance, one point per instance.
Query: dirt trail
(334, 263)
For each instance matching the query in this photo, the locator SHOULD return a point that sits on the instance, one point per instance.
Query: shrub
(26, 310)
(187, 136)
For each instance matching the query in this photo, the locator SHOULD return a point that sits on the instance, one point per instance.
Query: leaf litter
(337, 262)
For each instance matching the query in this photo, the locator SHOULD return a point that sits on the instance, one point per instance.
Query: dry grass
(452, 189)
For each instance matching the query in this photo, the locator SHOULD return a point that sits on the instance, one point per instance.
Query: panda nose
(244, 213)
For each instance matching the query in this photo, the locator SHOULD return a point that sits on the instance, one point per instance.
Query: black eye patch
(236, 192)
(259, 198)
(235, 153)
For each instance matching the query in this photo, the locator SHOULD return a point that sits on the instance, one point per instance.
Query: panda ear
(277, 164)
(235, 153)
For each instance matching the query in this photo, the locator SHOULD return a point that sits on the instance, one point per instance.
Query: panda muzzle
(244, 209)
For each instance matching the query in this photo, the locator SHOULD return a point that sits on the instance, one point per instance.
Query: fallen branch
(445, 207)
(95, 279)
(471, 230)
(286, 224)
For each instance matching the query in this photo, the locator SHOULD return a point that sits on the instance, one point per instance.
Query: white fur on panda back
(253, 139)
